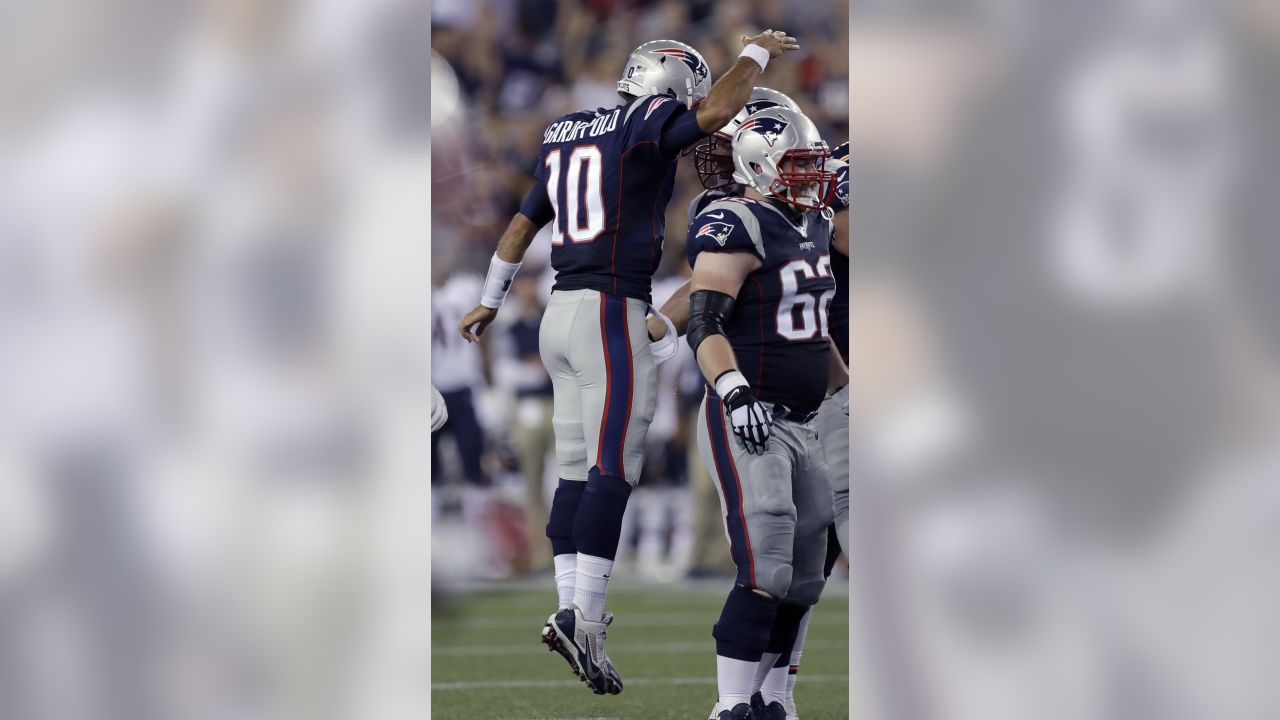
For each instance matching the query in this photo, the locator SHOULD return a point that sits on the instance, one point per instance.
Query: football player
(758, 326)
(776, 685)
(604, 180)
(776, 675)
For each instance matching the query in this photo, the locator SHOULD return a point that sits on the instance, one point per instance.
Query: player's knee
(774, 579)
(564, 507)
(822, 516)
(743, 630)
(805, 591)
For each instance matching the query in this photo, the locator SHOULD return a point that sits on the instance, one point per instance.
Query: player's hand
(439, 411)
(474, 323)
(775, 41)
(667, 343)
(752, 423)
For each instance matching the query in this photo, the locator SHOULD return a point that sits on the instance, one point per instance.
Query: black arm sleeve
(709, 312)
(537, 206)
(681, 131)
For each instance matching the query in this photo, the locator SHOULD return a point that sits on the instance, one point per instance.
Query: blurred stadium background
(1064, 360)
(213, 351)
(501, 72)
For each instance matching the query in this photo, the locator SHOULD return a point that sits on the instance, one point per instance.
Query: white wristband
(757, 53)
(728, 381)
(498, 282)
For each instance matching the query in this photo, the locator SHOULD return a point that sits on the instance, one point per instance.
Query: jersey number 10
(576, 187)
(813, 308)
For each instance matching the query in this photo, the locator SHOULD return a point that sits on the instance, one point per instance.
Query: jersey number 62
(801, 315)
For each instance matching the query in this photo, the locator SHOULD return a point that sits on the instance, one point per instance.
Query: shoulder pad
(737, 207)
(649, 103)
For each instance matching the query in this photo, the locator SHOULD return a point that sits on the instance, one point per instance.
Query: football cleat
(760, 710)
(581, 642)
(552, 641)
(741, 711)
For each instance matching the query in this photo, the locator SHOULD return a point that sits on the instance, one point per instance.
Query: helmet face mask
(713, 159)
(803, 179)
(713, 156)
(778, 153)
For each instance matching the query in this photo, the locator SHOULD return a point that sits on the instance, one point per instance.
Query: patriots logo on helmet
(699, 68)
(770, 128)
(758, 105)
(718, 231)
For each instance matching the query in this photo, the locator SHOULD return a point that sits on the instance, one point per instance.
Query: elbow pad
(709, 312)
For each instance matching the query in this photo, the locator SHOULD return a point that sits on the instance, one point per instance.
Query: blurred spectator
(458, 371)
(533, 434)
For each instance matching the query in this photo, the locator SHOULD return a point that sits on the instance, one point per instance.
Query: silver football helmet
(666, 67)
(778, 152)
(713, 155)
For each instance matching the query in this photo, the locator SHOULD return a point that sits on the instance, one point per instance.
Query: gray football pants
(833, 433)
(605, 382)
(777, 506)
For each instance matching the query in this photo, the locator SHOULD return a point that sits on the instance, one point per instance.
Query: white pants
(596, 349)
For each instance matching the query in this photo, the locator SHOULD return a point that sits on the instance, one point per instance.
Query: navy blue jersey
(779, 330)
(840, 262)
(604, 182)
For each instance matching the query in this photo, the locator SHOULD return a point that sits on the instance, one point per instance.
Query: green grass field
(487, 663)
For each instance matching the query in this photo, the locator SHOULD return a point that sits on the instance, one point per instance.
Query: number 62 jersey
(779, 330)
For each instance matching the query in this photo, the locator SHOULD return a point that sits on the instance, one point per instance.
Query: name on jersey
(808, 245)
(569, 130)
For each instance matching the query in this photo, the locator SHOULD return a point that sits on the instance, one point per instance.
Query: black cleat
(581, 643)
(760, 710)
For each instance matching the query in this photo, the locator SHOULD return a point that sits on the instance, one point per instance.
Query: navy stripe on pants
(731, 485)
(620, 385)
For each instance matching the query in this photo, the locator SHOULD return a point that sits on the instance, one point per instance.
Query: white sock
(566, 566)
(591, 585)
(777, 685)
(762, 670)
(734, 679)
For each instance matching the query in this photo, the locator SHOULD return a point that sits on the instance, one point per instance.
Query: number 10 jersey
(608, 183)
(779, 329)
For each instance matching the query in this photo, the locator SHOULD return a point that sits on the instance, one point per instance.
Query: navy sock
(786, 625)
(745, 625)
(598, 523)
(564, 507)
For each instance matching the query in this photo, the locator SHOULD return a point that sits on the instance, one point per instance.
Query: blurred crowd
(502, 71)
(213, 359)
(1064, 360)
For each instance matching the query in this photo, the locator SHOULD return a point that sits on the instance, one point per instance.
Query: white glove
(752, 423)
(439, 413)
(668, 345)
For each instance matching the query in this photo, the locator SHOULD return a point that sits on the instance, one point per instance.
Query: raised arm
(731, 92)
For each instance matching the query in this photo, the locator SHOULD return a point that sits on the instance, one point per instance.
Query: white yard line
(631, 620)
(514, 684)
(534, 648)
